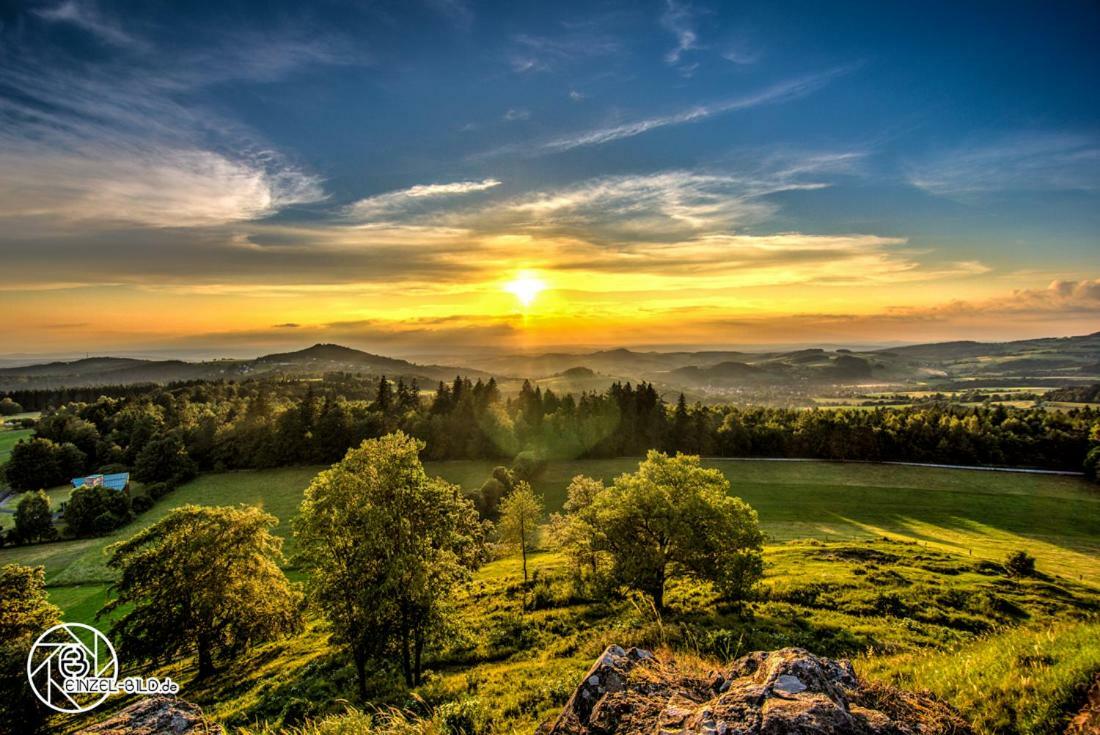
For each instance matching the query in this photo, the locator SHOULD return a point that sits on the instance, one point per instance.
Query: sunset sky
(435, 176)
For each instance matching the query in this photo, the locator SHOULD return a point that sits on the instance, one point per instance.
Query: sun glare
(525, 287)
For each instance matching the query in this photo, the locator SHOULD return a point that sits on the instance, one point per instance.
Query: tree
(1092, 465)
(25, 613)
(95, 511)
(202, 579)
(573, 530)
(8, 407)
(671, 518)
(34, 464)
(164, 460)
(1020, 564)
(33, 520)
(385, 547)
(520, 513)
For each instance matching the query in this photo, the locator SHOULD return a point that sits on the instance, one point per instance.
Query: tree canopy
(386, 546)
(25, 613)
(33, 519)
(203, 580)
(672, 517)
(520, 513)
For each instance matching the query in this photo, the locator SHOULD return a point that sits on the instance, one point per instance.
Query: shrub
(464, 717)
(158, 490)
(1020, 564)
(141, 503)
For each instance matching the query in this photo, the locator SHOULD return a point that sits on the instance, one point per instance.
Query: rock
(155, 716)
(784, 692)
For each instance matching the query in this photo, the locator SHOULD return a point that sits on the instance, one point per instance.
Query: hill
(318, 359)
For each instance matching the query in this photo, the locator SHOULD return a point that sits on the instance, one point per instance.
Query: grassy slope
(986, 514)
(834, 597)
(9, 438)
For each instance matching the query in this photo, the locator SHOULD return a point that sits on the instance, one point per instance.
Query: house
(119, 481)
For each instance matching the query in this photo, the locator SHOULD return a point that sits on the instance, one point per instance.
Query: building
(119, 481)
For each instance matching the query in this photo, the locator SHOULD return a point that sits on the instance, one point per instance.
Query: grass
(1026, 680)
(9, 438)
(891, 564)
(981, 514)
(57, 496)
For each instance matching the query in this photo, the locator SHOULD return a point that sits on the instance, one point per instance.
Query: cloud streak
(394, 203)
(1021, 162)
(776, 94)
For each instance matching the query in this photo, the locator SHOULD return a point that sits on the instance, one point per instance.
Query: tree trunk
(659, 590)
(417, 656)
(361, 671)
(406, 659)
(523, 549)
(206, 661)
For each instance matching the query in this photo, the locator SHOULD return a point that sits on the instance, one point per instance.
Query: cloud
(85, 15)
(679, 20)
(778, 93)
(395, 203)
(1021, 162)
(120, 139)
(517, 113)
(544, 53)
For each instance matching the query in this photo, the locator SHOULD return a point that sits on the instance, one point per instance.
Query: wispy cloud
(390, 204)
(1021, 162)
(123, 141)
(85, 15)
(679, 20)
(776, 94)
(541, 53)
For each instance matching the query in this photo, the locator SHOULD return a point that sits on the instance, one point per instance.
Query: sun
(525, 287)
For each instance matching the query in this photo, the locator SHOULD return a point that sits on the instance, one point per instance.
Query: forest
(169, 433)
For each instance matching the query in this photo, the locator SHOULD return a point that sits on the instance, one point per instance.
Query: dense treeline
(266, 423)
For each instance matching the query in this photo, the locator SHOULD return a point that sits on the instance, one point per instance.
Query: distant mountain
(1048, 362)
(320, 358)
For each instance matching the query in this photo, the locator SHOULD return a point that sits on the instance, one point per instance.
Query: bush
(141, 503)
(1020, 564)
(158, 490)
(464, 717)
(106, 522)
(1092, 465)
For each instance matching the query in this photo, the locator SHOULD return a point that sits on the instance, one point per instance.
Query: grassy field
(886, 563)
(9, 438)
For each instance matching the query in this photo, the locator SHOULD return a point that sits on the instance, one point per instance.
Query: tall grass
(1026, 681)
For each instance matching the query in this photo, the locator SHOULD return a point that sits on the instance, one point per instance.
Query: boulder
(155, 716)
(784, 692)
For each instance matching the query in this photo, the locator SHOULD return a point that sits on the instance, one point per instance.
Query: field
(9, 438)
(886, 563)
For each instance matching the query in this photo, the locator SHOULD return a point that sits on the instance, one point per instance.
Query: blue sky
(749, 172)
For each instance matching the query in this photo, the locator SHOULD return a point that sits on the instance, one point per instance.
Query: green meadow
(895, 566)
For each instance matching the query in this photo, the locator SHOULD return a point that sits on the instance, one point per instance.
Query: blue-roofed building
(119, 481)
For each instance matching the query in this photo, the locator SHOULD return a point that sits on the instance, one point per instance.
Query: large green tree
(386, 546)
(25, 613)
(673, 518)
(203, 580)
(33, 520)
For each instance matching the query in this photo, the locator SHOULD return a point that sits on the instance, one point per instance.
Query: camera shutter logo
(72, 668)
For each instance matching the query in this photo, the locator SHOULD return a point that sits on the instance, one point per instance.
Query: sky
(438, 176)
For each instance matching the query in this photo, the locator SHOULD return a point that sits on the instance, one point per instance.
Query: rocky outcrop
(785, 692)
(155, 716)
